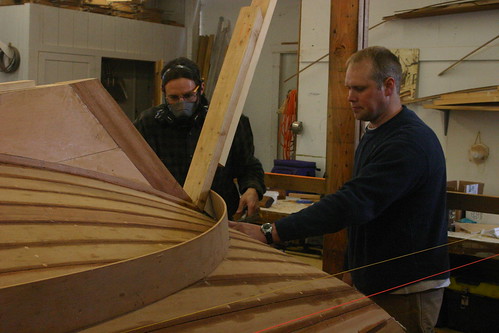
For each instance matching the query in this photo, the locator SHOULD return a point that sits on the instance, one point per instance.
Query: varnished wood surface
(255, 288)
(76, 250)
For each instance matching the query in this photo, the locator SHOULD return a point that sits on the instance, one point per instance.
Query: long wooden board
(221, 110)
(267, 7)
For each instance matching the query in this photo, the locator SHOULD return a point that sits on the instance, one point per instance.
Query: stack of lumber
(483, 100)
(133, 9)
(149, 14)
(68, 4)
(446, 8)
(214, 55)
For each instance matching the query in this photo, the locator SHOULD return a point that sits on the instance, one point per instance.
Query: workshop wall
(77, 40)
(443, 40)
(263, 99)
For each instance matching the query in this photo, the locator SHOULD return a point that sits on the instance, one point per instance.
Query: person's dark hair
(180, 68)
(384, 64)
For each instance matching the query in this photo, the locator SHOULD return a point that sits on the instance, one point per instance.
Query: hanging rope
(286, 136)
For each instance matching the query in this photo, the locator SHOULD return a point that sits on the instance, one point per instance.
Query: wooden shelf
(486, 100)
(445, 9)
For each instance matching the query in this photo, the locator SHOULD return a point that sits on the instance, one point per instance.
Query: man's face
(181, 89)
(367, 101)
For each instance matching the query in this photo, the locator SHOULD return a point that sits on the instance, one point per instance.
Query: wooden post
(340, 143)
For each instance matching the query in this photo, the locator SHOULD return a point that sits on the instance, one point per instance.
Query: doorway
(130, 83)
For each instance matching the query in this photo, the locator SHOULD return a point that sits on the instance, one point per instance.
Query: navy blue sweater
(394, 205)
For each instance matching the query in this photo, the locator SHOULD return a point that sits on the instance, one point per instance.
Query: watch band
(266, 229)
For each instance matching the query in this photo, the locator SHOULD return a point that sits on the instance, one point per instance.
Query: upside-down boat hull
(94, 243)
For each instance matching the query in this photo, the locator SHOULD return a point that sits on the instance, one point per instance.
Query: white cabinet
(58, 44)
(58, 67)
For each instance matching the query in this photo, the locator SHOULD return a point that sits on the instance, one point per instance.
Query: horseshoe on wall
(13, 61)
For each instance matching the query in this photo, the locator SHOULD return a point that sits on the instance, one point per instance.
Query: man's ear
(201, 87)
(390, 86)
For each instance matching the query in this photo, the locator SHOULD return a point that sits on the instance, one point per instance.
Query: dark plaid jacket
(175, 144)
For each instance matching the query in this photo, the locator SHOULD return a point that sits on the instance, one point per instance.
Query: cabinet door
(58, 67)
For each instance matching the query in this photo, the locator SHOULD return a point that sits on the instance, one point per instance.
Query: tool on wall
(114, 85)
(10, 59)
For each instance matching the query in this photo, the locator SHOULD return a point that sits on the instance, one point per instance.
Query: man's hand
(249, 200)
(252, 230)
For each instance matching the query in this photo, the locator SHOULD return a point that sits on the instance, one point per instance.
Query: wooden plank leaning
(223, 104)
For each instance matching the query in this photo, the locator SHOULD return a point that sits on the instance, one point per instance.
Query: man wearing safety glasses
(172, 130)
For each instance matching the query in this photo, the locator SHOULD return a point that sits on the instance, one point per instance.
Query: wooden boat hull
(104, 240)
(76, 250)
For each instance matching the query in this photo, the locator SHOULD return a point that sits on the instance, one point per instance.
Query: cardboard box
(465, 186)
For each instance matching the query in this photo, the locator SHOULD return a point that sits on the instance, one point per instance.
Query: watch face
(266, 227)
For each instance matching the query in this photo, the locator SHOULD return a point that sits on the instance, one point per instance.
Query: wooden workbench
(281, 208)
(470, 242)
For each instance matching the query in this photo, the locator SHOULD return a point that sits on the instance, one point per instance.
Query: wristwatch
(267, 231)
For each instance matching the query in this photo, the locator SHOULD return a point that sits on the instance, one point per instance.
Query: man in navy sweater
(395, 204)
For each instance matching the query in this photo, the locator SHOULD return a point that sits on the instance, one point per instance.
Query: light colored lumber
(267, 7)
(462, 107)
(426, 98)
(446, 8)
(469, 98)
(222, 107)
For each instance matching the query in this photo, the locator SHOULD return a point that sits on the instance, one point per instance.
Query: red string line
(380, 292)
